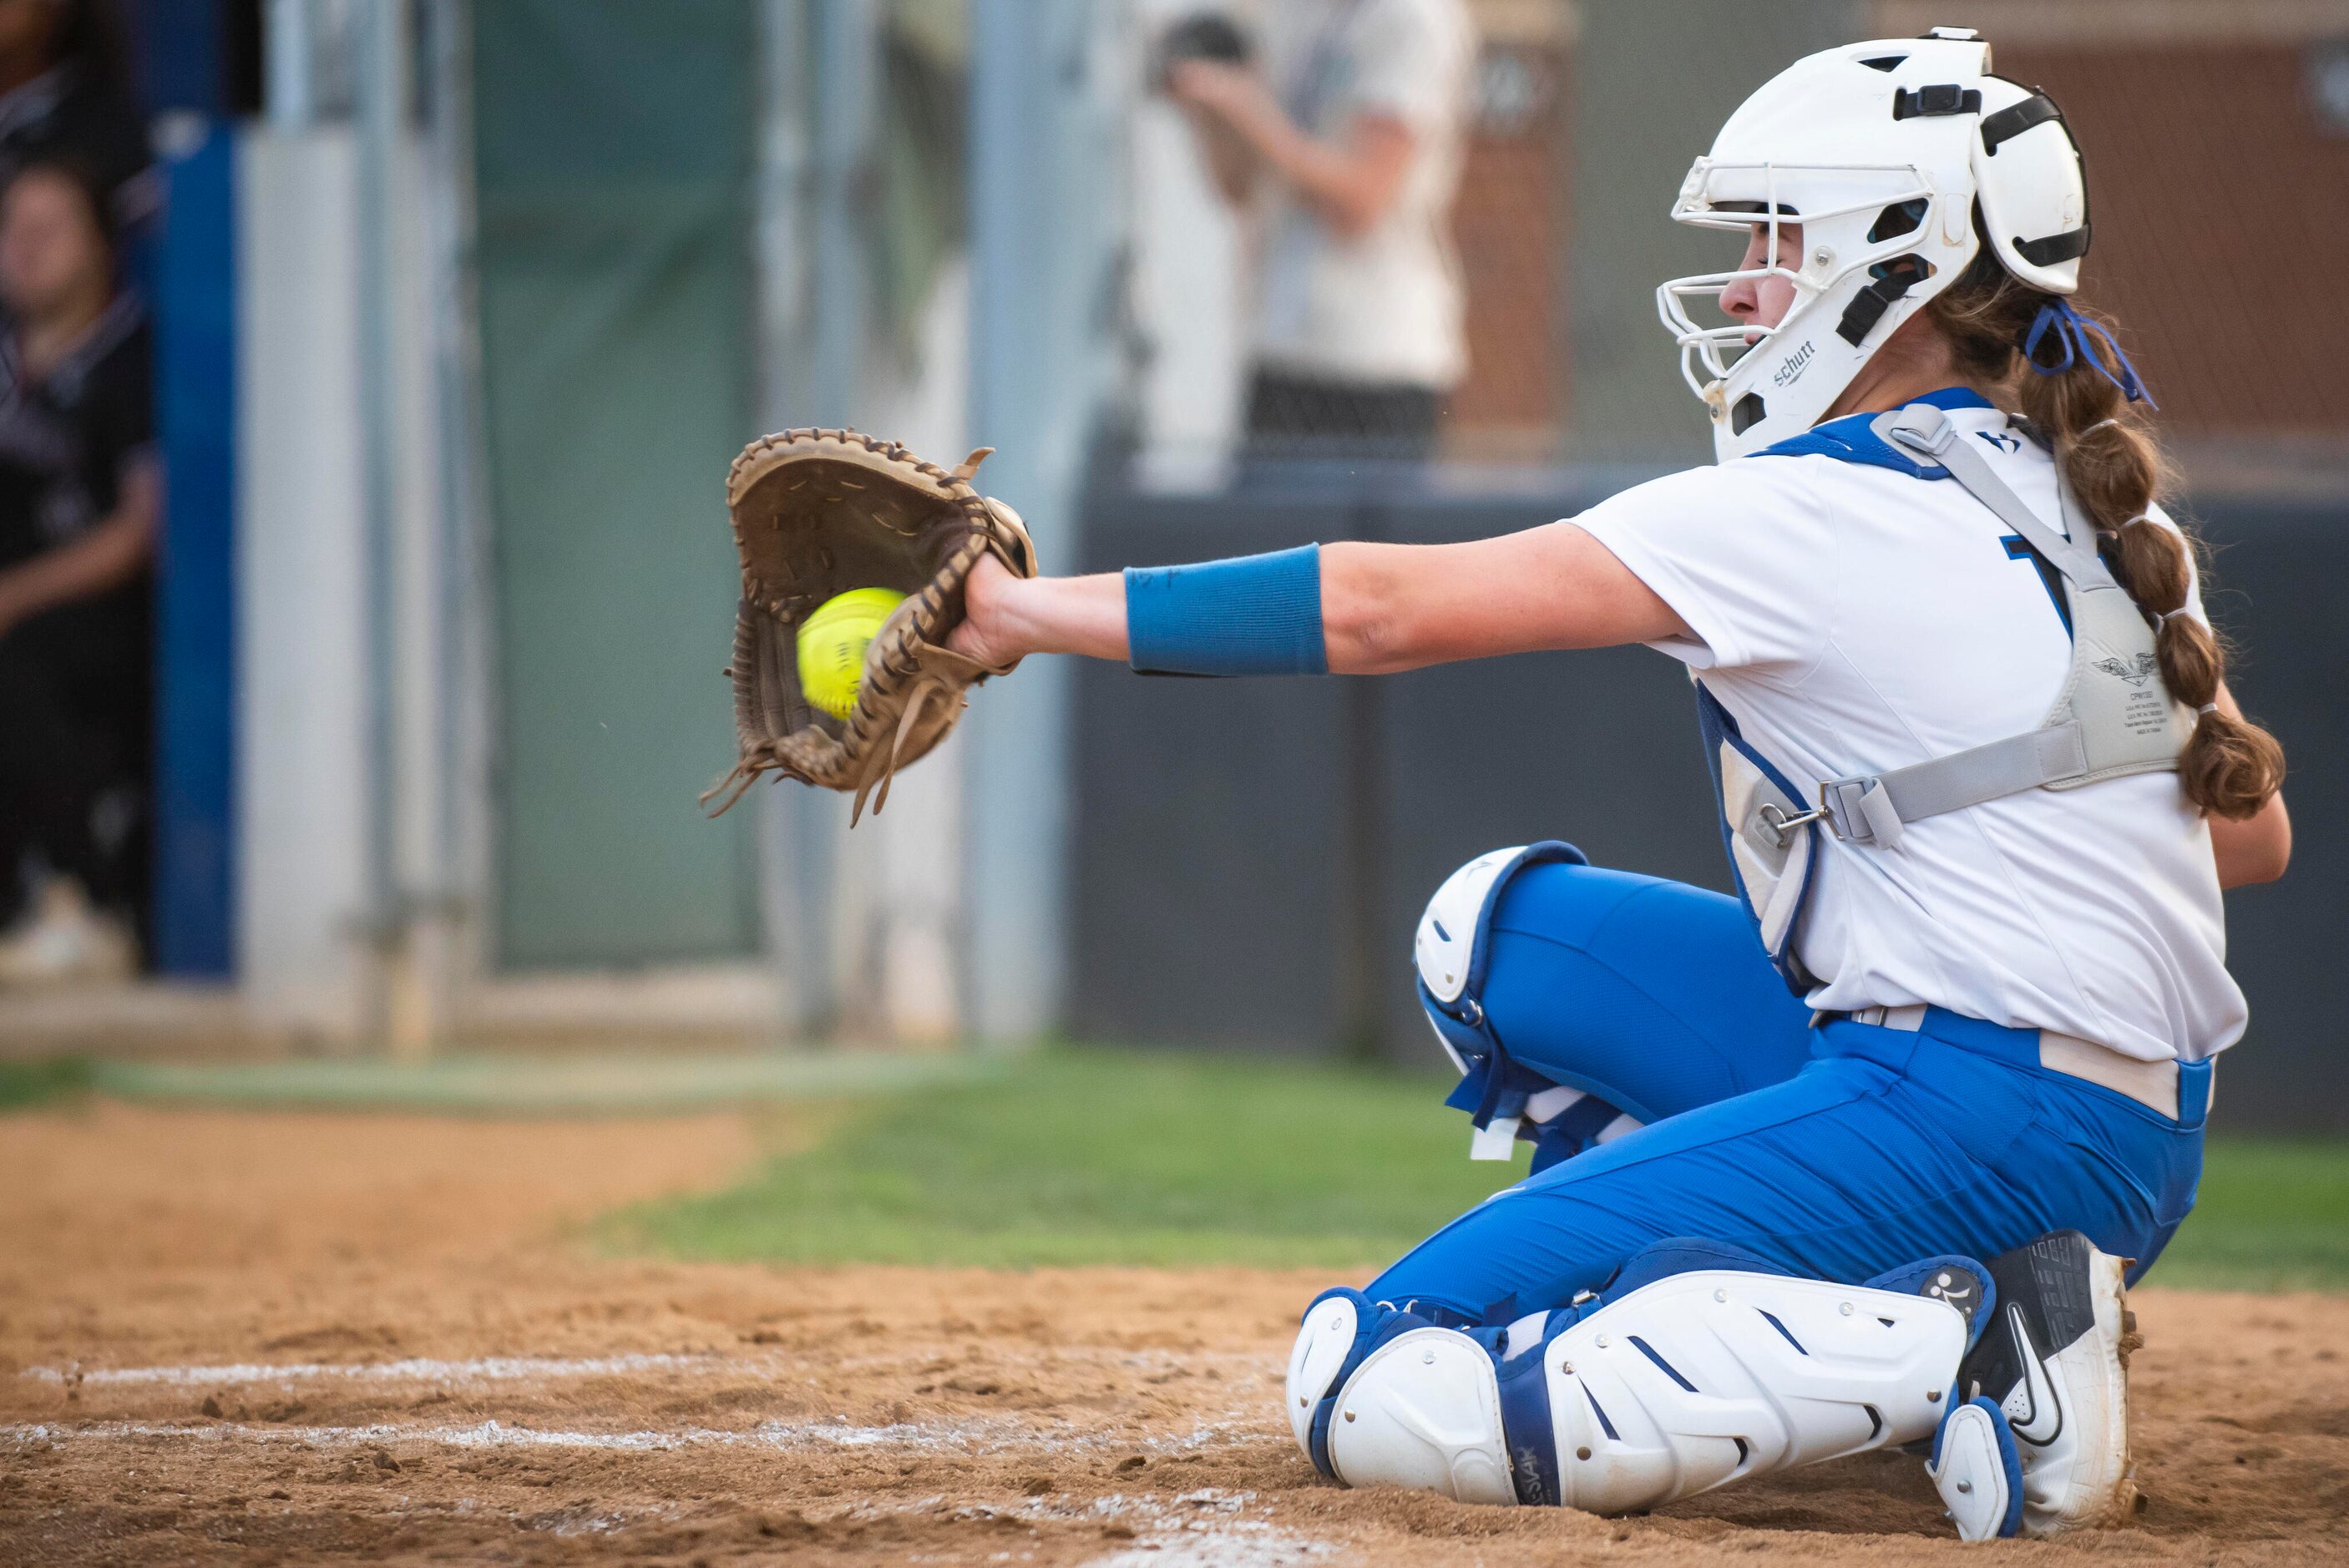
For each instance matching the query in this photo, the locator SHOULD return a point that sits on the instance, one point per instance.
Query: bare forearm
(1370, 624)
(1083, 615)
(1231, 162)
(2256, 850)
(105, 557)
(1348, 182)
(1349, 186)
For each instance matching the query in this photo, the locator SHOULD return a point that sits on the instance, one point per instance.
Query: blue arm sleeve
(1249, 615)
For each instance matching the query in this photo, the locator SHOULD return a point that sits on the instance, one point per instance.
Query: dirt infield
(247, 1338)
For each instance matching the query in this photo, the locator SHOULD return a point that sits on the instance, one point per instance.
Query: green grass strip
(2273, 1215)
(1084, 1157)
(26, 1085)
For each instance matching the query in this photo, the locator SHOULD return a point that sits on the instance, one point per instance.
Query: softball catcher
(1866, 1154)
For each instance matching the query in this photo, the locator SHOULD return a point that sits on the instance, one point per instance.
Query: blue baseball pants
(1838, 1153)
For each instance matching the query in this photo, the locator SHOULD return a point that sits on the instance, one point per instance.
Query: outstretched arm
(1385, 607)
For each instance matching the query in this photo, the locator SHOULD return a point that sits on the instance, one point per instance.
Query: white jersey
(1854, 617)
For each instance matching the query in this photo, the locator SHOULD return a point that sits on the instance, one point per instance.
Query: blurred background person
(66, 93)
(1340, 143)
(79, 497)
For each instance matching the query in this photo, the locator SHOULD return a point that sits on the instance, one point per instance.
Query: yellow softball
(831, 645)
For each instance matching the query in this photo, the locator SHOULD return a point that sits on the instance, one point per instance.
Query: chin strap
(1894, 279)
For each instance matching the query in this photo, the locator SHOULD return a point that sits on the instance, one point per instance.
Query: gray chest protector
(2112, 718)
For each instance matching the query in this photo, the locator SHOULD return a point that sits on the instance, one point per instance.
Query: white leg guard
(1424, 1411)
(1420, 1410)
(1697, 1379)
(1705, 1377)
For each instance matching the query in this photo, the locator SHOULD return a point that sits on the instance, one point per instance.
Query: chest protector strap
(2112, 718)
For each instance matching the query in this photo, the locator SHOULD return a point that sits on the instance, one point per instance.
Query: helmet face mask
(1852, 220)
(1880, 152)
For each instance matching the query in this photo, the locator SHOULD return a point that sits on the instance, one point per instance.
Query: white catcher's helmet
(1880, 150)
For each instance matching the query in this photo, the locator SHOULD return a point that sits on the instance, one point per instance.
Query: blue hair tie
(2072, 329)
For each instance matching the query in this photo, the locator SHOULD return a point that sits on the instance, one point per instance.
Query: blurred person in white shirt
(1341, 141)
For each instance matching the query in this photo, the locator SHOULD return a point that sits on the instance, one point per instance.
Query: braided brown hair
(2231, 766)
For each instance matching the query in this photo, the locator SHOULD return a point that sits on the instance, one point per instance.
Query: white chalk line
(493, 1434)
(415, 1369)
(522, 1369)
(1204, 1529)
(988, 1437)
(1245, 1544)
(1209, 1527)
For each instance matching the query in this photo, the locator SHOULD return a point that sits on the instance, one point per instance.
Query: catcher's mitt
(819, 512)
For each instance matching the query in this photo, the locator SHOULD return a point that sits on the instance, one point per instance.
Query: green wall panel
(612, 146)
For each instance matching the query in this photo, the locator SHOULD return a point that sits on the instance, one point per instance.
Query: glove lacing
(881, 767)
